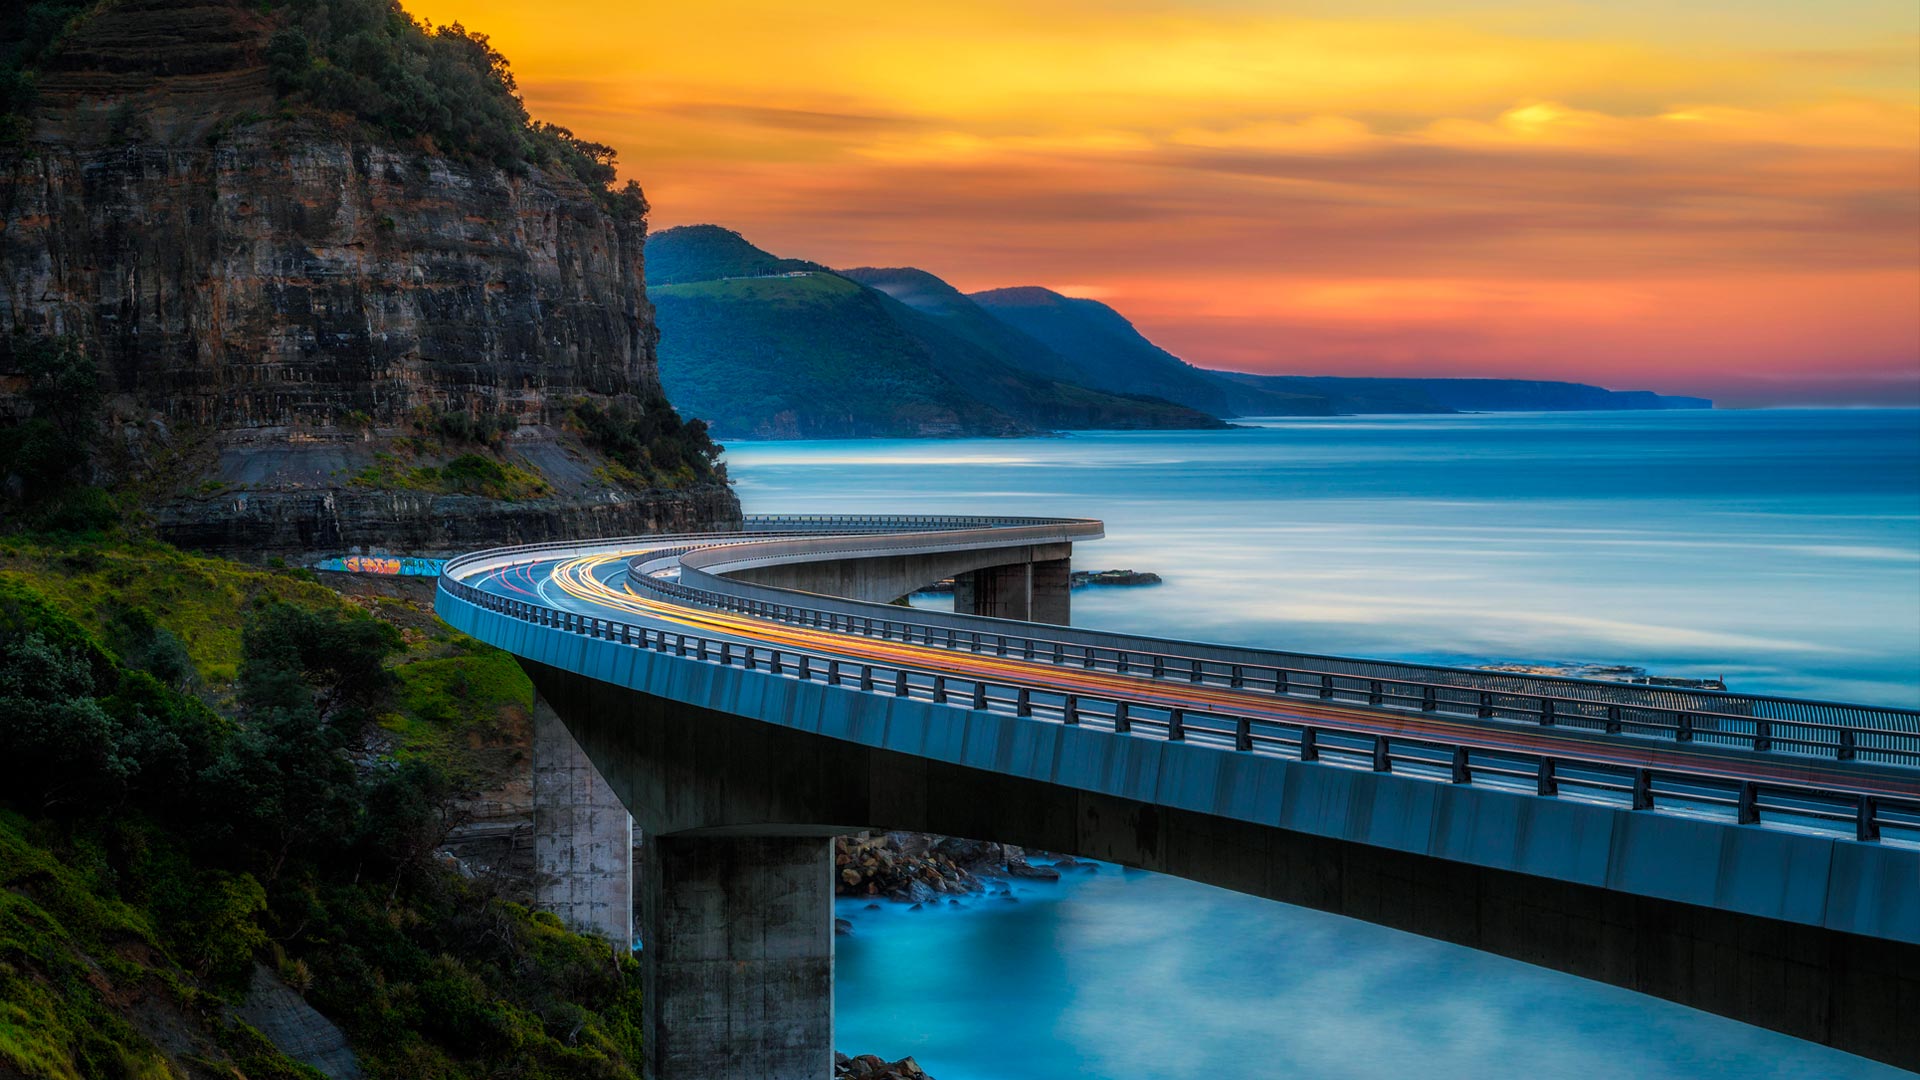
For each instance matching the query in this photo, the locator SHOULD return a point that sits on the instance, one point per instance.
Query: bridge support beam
(1052, 591)
(1039, 591)
(582, 837)
(1000, 592)
(737, 935)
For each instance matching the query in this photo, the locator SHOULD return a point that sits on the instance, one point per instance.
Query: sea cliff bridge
(745, 696)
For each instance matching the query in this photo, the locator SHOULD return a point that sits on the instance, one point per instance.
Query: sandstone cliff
(293, 314)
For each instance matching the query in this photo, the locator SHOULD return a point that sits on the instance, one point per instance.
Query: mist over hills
(768, 347)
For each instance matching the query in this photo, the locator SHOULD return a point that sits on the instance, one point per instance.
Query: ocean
(1777, 550)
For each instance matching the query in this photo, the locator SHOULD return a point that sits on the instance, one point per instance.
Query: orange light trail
(577, 577)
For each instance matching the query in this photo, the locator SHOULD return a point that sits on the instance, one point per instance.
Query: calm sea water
(1780, 550)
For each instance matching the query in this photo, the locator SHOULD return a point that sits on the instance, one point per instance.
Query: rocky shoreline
(874, 1067)
(920, 869)
(1078, 579)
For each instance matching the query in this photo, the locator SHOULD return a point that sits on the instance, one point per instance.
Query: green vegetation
(205, 766)
(709, 253)
(650, 442)
(468, 474)
(29, 32)
(813, 356)
(45, 458)
(822, 355)
(445, 87)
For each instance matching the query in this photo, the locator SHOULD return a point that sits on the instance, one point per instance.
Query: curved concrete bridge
(747, 696)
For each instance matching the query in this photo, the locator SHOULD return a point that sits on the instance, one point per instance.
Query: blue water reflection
(1780, 550)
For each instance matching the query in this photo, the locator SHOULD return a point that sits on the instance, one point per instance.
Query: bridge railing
(1760, 723)
(1757, 723)
(1865, 816)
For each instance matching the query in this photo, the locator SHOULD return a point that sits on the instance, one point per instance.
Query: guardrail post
(773, 662)
(1683, 728)
(866, 677)
(680, 644)
(1428, 703)
(1280, 683)
(1001, 648)
(1176, 725)
(1326, 687)
(1070, 710)
(1120, 663)
(806, 668)
(1749, 807)
(1122, 718)
(1242, 733)
(1486, 705)
(1059, 657)
(1643, 789)
(899, 684)
(1545, 782)
(939, 689)
(1382, 755)
(1026, 649)
(1845, 751)
(1762, 734)
(1194, 676)
(1159, 667)
(1309, 744)
(1547, 717)
(1613, 719)
(1023, 702)
(701, 653)
(1866, 819)
(1087, 661)
(1237, 677)
(833, 673)
(750, 658)
(1462, 770)
(1374, 696)
(726, 654)
(979, 694)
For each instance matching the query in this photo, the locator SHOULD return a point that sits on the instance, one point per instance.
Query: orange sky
(1710, 197)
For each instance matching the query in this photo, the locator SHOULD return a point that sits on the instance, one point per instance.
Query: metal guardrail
(1762, 723)
(1546, 775)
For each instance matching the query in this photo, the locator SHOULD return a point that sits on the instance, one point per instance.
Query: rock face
(274, 302)
(914, 868)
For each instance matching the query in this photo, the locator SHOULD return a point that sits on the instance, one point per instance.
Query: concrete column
(1003, 592)
(582, 837)
(737, 955)
(1052, 591)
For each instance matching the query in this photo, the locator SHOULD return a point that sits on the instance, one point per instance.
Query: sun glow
(1685, 185)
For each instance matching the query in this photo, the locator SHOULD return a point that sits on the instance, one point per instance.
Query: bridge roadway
(1754, 856)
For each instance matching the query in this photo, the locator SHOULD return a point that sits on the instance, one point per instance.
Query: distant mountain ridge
(1107, 352)
(762, 346)
(767, 347)
(1392, 395)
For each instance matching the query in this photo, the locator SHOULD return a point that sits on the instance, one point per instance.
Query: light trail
(584, 580)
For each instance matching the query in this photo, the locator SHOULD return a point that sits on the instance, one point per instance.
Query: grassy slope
(815, 356)
(88, 985)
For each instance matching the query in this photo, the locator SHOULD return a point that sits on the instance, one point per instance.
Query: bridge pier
(738, 957)
(1039, 591)
(582, 837)
(1052, 583)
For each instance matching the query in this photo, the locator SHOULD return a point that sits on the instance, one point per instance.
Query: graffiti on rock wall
(393, 565)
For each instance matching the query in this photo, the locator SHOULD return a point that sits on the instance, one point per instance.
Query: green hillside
(765, 347)
(710, 253)
(807, 357)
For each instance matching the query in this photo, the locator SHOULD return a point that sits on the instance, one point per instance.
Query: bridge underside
(713, 791)
(1028, 581)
